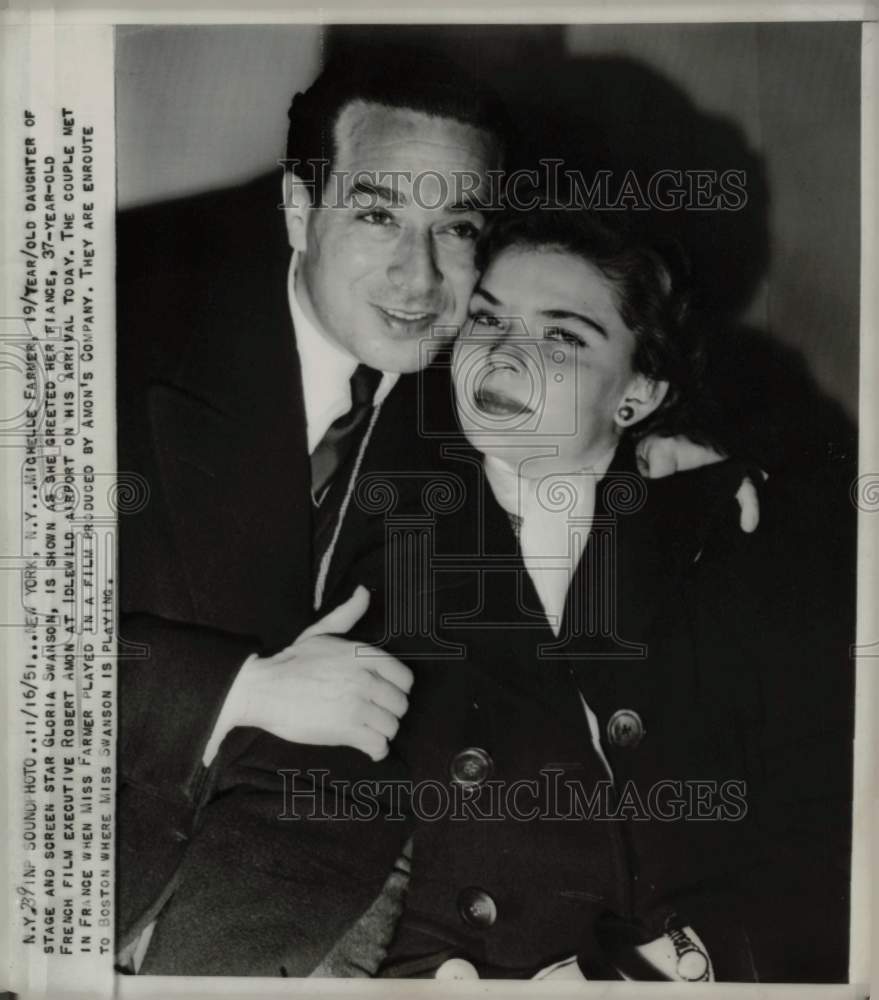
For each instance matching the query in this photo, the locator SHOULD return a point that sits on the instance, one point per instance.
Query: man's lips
(400, 318)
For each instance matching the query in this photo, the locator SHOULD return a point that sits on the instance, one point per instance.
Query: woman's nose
(511, 336)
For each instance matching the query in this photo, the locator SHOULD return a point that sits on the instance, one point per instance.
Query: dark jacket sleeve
(780, 620)
(173, 681)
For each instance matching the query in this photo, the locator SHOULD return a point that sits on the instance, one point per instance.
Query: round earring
(625, 413)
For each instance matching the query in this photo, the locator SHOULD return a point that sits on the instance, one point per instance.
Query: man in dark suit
(255, 391)
(252, 392)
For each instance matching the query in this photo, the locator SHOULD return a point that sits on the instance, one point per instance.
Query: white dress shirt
(326, 370)
(555, 514)
(326, 389)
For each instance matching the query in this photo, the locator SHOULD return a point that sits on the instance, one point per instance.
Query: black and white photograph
(469, 582)
(495, 389)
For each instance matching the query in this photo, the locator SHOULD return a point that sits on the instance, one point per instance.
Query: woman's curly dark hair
(652, 297)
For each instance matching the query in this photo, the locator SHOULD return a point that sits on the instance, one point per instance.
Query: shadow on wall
(617, 114)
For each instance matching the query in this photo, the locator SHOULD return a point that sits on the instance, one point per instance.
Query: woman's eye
(559, 333)
(484, 319)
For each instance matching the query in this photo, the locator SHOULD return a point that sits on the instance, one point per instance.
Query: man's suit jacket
(216, 564)
(711, 659)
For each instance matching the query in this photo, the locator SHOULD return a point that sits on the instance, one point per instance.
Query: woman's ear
(297, 204)
(642, 397)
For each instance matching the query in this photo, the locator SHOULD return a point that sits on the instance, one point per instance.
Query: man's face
(388, 257)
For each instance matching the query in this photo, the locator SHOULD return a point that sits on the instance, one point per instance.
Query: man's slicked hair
(392, 77)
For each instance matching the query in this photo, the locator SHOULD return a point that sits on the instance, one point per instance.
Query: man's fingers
(369, 741)
(658, 457)
(655, 458)
(392, 670)
(380, 719)
(341, 619)
(690, 455)
(749, 506)
(388, 695)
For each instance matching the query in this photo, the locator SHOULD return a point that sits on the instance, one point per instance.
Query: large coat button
(476, 907)
(625, 728)
(471, 767)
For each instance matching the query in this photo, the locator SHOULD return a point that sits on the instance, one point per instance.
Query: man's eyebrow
(569, 314)
(485, 294)
(377, 191)
(465, 204)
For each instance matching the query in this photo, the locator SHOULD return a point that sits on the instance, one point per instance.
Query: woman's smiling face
(544, 362)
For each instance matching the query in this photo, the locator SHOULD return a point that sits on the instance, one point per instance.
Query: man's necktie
(344, 433)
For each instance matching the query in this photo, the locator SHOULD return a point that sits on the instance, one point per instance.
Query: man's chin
(402, 354)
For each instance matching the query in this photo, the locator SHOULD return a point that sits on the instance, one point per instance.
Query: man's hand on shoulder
(319, 691)
(659, 456)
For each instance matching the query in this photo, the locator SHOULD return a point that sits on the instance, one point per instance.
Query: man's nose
(414, 268)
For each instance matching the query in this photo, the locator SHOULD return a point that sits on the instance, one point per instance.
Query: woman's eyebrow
(568, 314)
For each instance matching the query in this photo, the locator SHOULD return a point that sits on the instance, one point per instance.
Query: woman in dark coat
(629, 737)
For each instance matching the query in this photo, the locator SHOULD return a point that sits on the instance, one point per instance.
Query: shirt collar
(326, 369)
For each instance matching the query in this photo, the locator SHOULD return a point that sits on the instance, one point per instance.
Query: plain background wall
(200, 107)
(794, 89)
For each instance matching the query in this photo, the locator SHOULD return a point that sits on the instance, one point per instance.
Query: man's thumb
(341, 619)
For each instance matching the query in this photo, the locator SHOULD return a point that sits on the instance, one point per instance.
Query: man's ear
(642, 397)
(297, 204)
